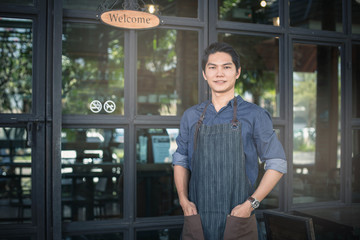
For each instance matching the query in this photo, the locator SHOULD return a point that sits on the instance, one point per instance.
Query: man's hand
(188, 207)
(242, 210)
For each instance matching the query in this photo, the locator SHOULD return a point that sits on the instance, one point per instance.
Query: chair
(283, 226)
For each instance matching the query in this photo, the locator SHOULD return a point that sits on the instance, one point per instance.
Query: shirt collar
(202, 105)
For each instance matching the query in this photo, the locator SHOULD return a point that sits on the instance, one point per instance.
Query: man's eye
(227, 67)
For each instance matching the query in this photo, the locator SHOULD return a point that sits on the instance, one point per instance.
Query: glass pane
(92, 69)
(16, 50)
(253, 11)
(18, 2)
(316, 14)
(167, 71)
(164, 234)
(355, 11)
(272, 199)
(316, 137)
(259, 79)
(156, 192)
(107, 236)
(92, 174)
(356, 167)
(177, 8)
(355, 81)
(15, 176)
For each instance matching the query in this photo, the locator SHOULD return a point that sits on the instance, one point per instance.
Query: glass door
(22, 128)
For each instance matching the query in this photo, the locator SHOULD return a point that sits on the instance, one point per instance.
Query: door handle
(29, 130)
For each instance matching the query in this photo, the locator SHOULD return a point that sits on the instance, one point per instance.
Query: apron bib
(218, 180)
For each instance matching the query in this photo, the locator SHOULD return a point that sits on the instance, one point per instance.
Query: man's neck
(221, 100)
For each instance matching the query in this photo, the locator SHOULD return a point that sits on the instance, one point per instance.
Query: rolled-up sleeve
(268, 145)
(180, 157)
(180, 160)
(278, 164)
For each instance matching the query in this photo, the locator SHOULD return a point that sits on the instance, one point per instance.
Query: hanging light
(263, 3)
(151, 8)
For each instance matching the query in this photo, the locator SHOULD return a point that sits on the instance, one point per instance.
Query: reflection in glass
(316, 110)
(356, 167)
(253, 11)
(163, 234)
(15, 176)
(107, 236)
(92, 174)
(316, 14)
(92, 69)
(177, 8)
(16, 50)
(156, 193)
(355, 81)
(355, 13)
(167, 71)
(259, 60)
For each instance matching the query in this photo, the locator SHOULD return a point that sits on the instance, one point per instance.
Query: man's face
(221, 73)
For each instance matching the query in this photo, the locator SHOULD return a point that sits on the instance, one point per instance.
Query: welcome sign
(130, 19)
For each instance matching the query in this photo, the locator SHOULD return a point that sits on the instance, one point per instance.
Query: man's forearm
(267, 183)
(181, 178)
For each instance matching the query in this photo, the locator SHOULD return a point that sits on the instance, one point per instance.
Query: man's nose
(220, 72)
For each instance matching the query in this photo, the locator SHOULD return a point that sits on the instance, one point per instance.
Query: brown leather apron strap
(199, 123)
(234, 120)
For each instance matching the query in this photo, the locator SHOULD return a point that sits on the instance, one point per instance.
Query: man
(216, 163)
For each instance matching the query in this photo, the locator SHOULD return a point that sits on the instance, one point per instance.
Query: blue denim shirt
(259, 138)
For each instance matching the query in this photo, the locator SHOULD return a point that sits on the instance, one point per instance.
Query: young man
(216, 163)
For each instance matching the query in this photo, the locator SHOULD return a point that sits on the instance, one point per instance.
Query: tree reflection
(16, 66)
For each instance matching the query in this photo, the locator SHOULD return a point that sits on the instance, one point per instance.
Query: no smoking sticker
(95, 106)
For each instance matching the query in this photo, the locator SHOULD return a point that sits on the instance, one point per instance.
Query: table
(342, 221)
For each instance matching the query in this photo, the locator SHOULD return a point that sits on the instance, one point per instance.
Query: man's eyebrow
(213, 64)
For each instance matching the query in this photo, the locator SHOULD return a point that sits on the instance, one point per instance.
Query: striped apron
(218, 180)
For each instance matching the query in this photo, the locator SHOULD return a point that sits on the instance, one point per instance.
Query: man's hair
(220, 47)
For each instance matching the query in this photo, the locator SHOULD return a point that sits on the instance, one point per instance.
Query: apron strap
(234, 120)
(199, 123)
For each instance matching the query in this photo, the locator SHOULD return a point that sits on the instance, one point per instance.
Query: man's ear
(238, 73)
(204, 75)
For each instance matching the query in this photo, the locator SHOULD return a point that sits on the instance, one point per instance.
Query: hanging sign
(130, 19)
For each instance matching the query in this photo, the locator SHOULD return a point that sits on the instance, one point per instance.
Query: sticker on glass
(95, 106)
(109, 106)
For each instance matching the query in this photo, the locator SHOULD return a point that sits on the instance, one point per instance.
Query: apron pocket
(238, 228)
(192, 229)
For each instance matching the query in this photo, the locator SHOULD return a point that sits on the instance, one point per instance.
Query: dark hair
(220, 47)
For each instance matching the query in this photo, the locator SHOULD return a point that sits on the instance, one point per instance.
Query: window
(92, 173)
(316, 123)
(167, 71)
(156, 192)
(263, 12)
(177, 8)
(16, 52)
(259, 61)
(356, 166)
(355, 81)
(316, 15)
(92, 69)
(15, 172)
